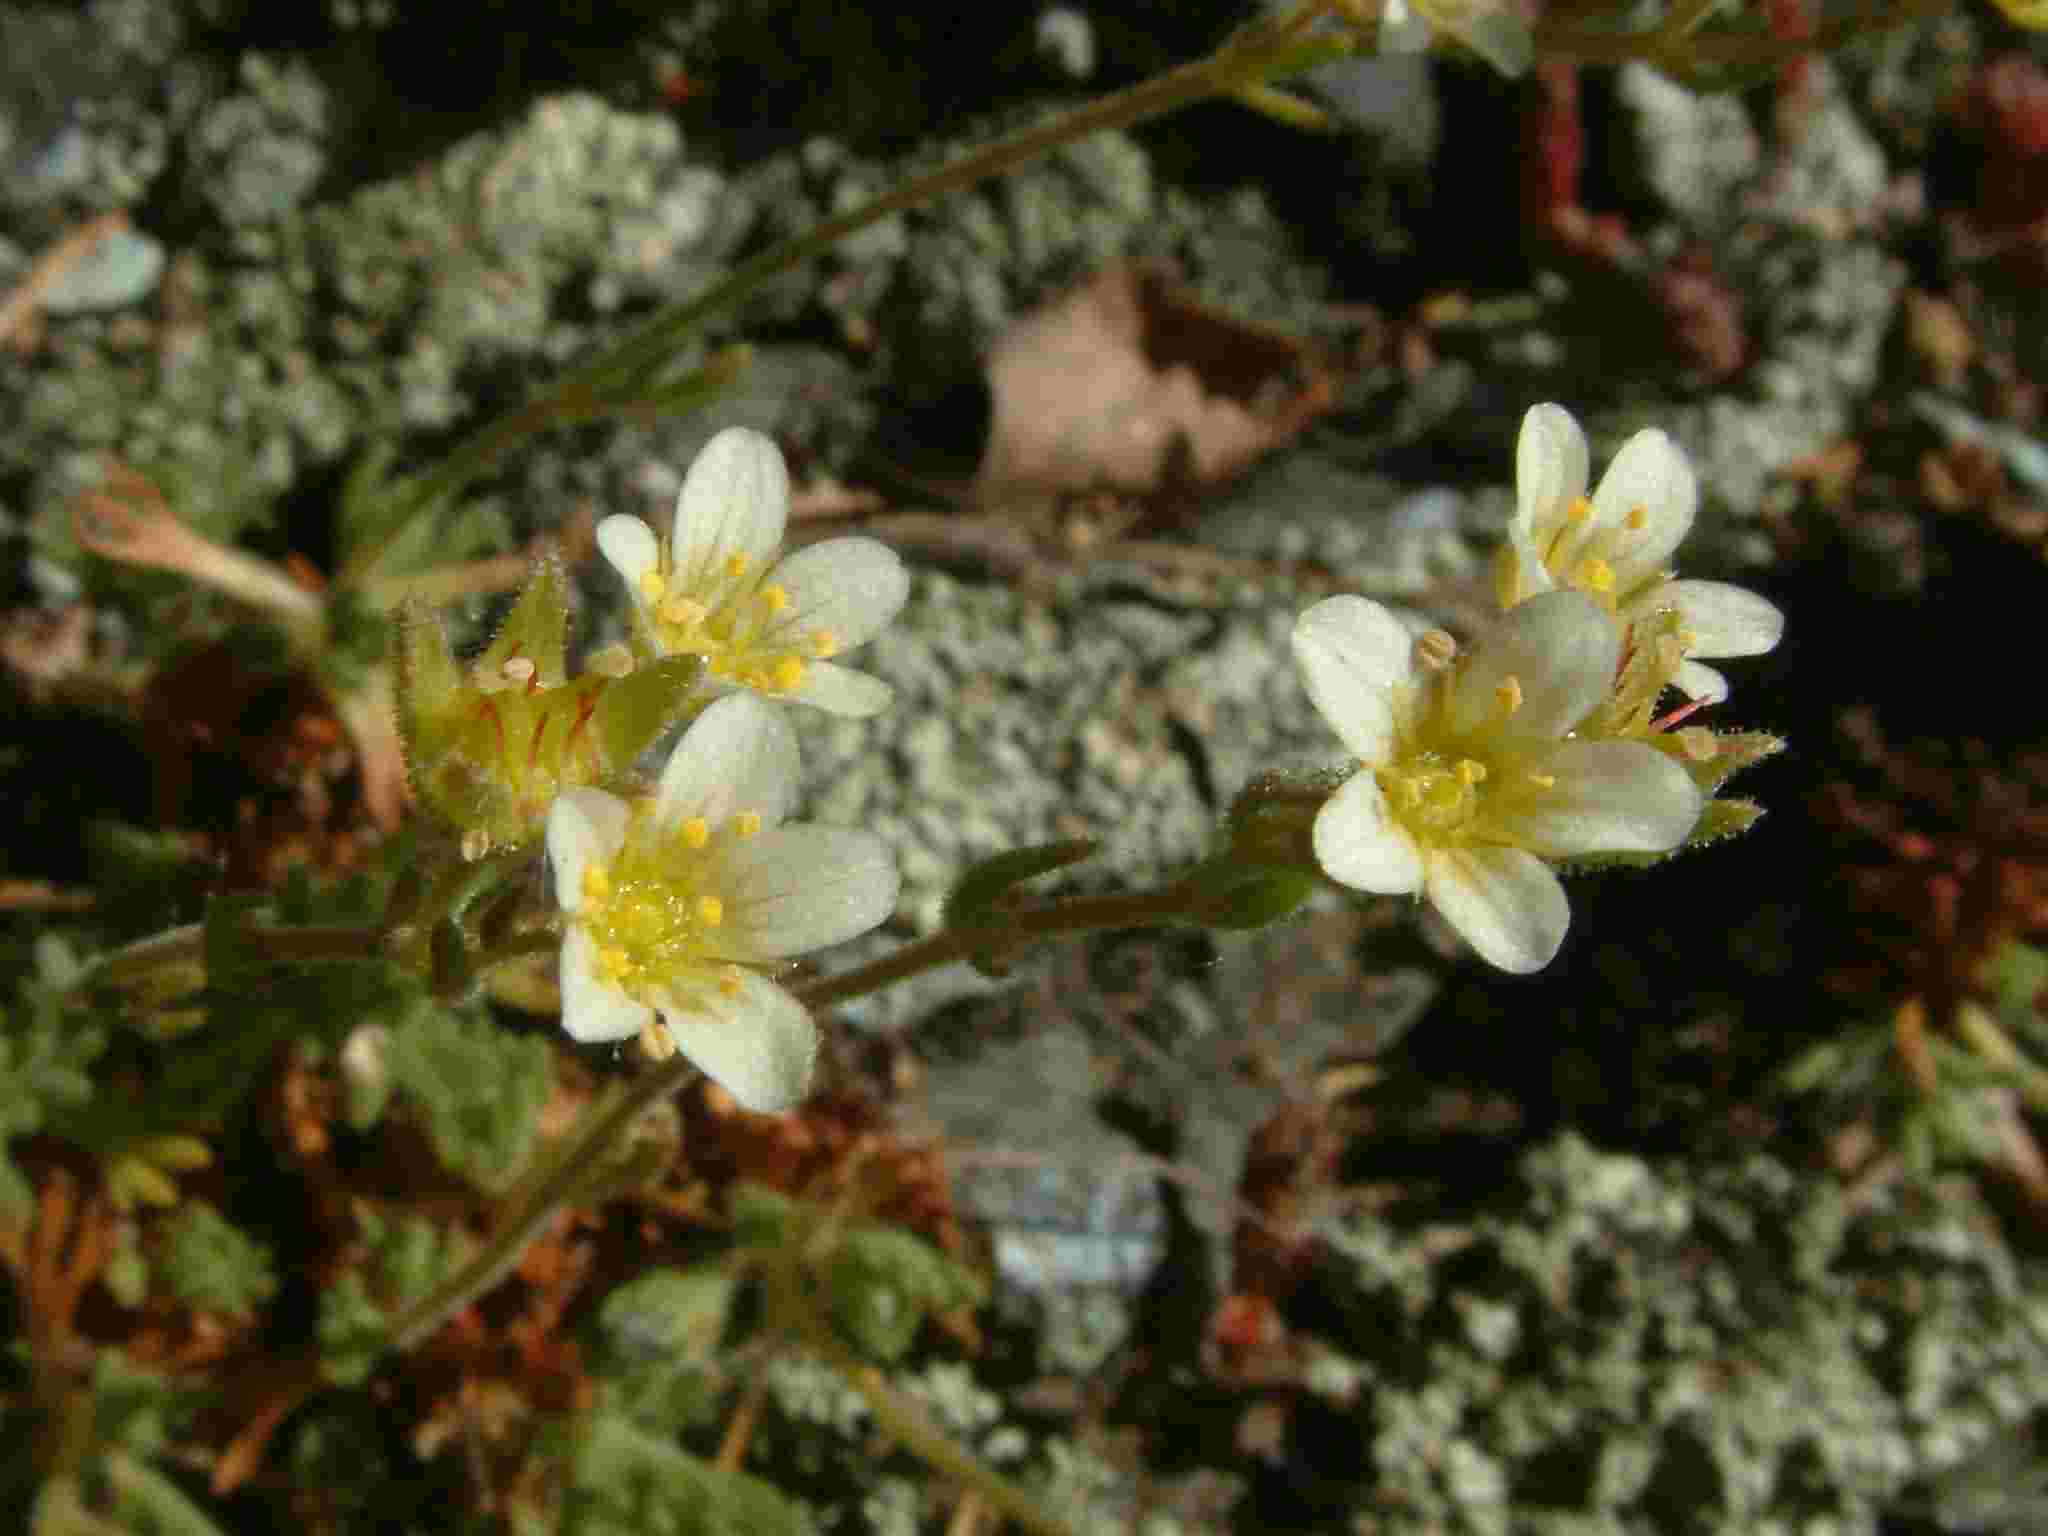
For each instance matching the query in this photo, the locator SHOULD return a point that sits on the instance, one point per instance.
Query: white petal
(851, 587)
(840, 691)
(739, 755)
(1353, 654)
(1360, 845)
(734, 501)
(1561, 650)
(1609, 797)
(759, 1045)
(593, 1009)
(584, 826)
(1550, 470)
(1727, 620)
(801, 888)
(1698, 682)
(631, 547)
(1652, 474)
(1505, 903)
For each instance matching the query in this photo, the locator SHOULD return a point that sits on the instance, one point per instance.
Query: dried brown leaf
(1129, 382)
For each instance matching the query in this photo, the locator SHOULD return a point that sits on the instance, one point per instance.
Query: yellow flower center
(652, 911)
(1437, 787)
(1585, 559)
(1433, 797)
(739, 624)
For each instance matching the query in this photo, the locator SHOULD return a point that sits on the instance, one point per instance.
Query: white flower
(716, 589)
(1469, 776)
(673, 902)
(1613, 547)
(1493, 29)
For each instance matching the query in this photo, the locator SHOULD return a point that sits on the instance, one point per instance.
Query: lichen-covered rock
(1615, 1345)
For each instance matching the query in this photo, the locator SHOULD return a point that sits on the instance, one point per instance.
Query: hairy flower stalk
(676, 902)
(1613, 546)
(1471, 775)
(716, 590)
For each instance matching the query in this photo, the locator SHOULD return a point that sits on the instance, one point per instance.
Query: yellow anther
(518, 669)
(1596, 575)
(736, 565)
(696, 832)
(1509, 694)
(721, 666)
(710, 911)
(1579, 510)
(774, 597)
(1435, 649)
(597, 884)
(656, 1043)
(747, 824)
(729, 981)
(683, 612)
(1637, 520)
(1470, 771)
(824, 643)
(1543, 780)
(789, 671)
(653, 585)
(615, 963)
(1688, 639)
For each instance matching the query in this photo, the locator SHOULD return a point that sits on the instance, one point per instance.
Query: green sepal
(429, 682)
(636, 710)
(1239, 897)
(1723, 819)
(977, 901)
(536, 628)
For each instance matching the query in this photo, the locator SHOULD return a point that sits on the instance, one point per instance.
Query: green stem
(187, 946)
(1076, 914)
(567, 1178)
(586, 391)
(902, 1420)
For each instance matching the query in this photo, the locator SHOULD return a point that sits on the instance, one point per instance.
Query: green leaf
(762, 1218)
(667, 1314)
(211, 1265)
(653, 1339)
(352, 1331)
(627, 1482)
(885, 1281)
(46, 1055)
(478, 1089)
